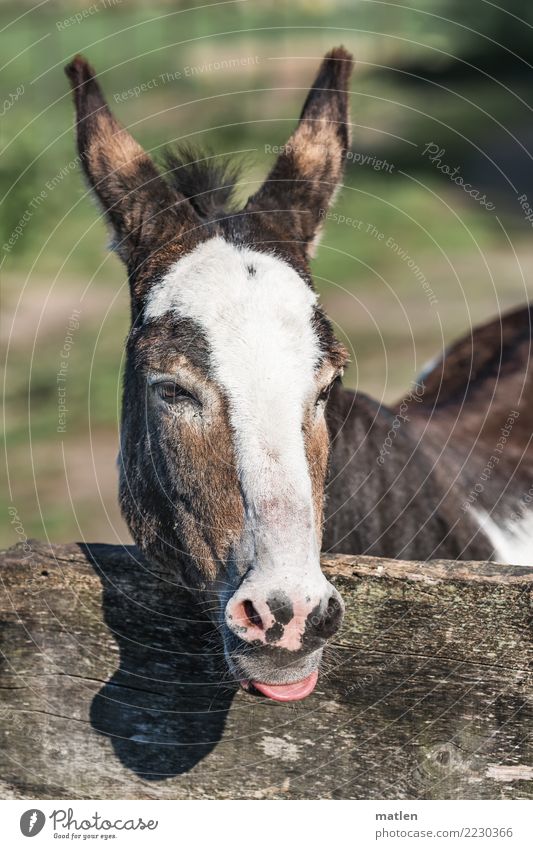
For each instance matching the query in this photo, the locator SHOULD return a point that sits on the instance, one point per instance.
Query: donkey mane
(206, 180)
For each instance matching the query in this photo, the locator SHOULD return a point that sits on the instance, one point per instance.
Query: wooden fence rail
(113, 686)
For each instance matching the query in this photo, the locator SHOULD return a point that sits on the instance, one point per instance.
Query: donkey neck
(385, 494)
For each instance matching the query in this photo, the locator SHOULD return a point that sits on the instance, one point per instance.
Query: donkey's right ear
(306, 174)
(140, 206)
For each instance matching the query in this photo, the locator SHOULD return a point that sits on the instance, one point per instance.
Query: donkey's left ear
(304, 179)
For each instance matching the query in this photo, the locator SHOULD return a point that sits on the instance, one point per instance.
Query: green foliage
(182, 57)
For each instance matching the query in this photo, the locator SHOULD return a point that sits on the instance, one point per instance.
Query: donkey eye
(324, 395)
(172, 393)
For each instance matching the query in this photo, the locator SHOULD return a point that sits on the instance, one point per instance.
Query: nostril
(251, 614)
(330, 620)
(333, 610)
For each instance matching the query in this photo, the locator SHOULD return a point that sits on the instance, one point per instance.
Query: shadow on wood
(113, 686)
(165, 707)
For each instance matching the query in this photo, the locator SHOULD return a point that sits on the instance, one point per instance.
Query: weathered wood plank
(113, 686)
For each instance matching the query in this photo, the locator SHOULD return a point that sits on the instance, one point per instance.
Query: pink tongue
(288, 692)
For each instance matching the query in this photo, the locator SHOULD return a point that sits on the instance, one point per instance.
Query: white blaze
(264, 353)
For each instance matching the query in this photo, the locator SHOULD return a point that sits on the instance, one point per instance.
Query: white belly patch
(512, 540)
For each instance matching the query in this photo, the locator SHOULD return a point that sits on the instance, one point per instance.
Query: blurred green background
(419, 262)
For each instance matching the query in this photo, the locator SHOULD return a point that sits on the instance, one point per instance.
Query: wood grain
(112, 685)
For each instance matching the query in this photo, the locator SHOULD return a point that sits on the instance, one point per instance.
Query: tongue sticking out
(287, 692)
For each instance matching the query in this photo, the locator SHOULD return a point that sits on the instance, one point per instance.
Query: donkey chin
(253, 670)
(295, 673)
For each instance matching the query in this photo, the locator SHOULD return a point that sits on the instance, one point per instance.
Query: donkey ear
(303, 181)
(140, 206)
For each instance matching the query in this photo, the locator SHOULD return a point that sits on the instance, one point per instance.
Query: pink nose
(281, 621)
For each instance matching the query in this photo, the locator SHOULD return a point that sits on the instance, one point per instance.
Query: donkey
(235, 423)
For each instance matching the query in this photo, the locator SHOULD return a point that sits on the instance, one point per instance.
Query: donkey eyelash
(173, 393)
(324, 393)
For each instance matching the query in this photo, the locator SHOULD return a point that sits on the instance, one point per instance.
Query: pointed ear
(140, 206)
(303, 181)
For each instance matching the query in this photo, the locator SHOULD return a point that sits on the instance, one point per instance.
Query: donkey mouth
(284, 692)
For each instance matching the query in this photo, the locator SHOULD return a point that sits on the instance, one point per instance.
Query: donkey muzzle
(274, 639)
(284, 619)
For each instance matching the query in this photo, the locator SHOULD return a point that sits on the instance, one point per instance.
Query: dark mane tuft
(207, 181)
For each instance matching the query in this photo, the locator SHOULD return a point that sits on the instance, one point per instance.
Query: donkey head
(224, 443)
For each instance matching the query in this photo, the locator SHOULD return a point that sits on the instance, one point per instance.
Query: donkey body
(233, 403)
(447, 473)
